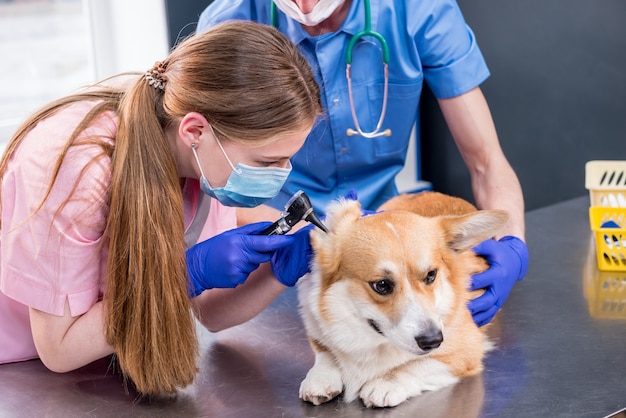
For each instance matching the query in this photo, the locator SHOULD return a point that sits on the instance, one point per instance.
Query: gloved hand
(352, 195)
(292, 262)
(508, 263)
(227, 259)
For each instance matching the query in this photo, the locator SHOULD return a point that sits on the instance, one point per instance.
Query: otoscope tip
(312, 218)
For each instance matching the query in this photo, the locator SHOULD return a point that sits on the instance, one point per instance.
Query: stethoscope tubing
(367, 31)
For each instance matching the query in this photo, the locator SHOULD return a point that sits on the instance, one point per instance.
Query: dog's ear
(341, 213)
(339, 217)
(465, 231)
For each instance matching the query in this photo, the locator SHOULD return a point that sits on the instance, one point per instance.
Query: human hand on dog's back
(508, 263)
(227, 259)
(352, 195)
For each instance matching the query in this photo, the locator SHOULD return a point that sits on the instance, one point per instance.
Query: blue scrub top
(428, 40)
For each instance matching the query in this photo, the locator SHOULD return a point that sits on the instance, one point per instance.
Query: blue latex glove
(227, 259)
(508, 263)
(352, 195)
(292, 262)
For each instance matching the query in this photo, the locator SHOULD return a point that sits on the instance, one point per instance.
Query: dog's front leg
(405, 381)
(323, 381)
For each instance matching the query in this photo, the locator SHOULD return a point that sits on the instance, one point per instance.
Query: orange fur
(367, 341)
(430, 204)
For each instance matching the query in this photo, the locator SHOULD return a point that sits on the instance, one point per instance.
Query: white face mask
(320, 12)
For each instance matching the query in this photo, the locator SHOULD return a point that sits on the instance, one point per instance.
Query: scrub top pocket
(402, 108)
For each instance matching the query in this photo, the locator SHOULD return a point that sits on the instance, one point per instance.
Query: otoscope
(297, 208)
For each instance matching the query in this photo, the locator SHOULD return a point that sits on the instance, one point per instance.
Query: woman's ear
(192, 126)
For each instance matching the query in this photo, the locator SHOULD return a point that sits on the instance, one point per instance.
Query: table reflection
(605, 290)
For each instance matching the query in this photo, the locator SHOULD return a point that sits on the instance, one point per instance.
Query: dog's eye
(430, 276)
(382, 287)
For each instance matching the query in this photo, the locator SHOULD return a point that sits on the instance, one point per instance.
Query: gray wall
(182, 17)
(557, 94)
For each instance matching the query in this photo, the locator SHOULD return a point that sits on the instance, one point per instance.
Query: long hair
(251, 83)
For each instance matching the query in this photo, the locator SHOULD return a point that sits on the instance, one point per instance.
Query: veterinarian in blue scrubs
(427, 40)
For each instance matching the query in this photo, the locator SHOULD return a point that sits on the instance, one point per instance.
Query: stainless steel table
(561, 353)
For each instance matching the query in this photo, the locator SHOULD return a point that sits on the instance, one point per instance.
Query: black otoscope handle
(298, 208)
(280, 227)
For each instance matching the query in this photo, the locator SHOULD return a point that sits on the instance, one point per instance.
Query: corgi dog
(384, 305)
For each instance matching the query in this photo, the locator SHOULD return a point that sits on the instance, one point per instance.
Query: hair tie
(156, 75)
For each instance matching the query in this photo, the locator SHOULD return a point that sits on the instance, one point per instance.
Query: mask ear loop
(236, 170)
(195, 154)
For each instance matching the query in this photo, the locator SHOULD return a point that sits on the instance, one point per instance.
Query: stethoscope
(383, 43)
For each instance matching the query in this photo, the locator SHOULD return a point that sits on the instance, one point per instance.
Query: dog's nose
(429, 340)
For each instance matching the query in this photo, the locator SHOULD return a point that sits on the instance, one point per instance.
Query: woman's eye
(382, 287)
(430, 276)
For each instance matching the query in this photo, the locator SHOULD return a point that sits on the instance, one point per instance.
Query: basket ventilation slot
(613, 178)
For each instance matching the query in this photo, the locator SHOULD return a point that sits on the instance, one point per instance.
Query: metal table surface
(560, 338)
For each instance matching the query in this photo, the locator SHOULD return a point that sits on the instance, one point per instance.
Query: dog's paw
(321, 385)
(381, 393)
(395, 388)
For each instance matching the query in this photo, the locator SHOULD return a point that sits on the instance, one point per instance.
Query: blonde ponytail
(149, 321)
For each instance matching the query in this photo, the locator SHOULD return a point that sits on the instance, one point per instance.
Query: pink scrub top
(56, 255)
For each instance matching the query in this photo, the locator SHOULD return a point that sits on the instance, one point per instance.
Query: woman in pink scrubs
(118, 207)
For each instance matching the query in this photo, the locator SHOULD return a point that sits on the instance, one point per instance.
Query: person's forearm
(501, 190)
(494, 183)
(263, 213)
(66, 343)
(219, 309)
(260, 213)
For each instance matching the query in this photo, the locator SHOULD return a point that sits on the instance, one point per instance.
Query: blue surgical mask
(247, 186)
